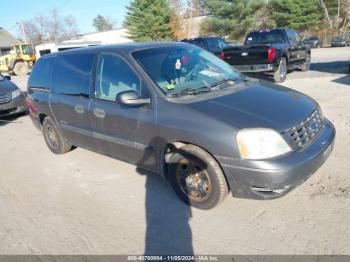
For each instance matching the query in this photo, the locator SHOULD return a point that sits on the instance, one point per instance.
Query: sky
(84, 11)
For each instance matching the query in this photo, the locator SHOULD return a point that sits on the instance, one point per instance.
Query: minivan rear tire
(191, 166)
(54, 140)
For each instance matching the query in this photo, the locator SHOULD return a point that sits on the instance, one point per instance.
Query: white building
(116, 36)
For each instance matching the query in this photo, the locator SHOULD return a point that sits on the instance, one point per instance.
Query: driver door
(115, 126)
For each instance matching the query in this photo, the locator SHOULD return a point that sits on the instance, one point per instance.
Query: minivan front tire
(53, 138)
(196, 177)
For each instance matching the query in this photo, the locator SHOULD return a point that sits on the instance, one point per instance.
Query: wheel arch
(285, 55)
(171, 148)
(41, 118)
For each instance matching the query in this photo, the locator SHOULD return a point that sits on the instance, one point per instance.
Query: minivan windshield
(1, 77)
(176, 69)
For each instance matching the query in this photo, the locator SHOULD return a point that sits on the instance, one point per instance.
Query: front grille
(5, 97)
(304, 133)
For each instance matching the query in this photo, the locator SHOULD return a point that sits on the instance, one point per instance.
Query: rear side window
(72, 73)
(41, 74)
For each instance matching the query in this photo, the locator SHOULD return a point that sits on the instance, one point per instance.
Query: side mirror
(8, 77)
(131, 98)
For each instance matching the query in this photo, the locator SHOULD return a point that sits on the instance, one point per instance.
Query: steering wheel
(193, 74)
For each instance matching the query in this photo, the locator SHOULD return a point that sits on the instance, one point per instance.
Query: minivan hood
(7, 86)
(260, 104)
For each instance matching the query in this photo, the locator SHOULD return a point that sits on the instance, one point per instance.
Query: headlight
(261, 143)
(16, 93)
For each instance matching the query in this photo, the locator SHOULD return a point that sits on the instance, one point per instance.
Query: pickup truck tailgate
(247, 55)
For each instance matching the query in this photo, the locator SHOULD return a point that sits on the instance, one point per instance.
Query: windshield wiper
(190, 91)
(221, 84)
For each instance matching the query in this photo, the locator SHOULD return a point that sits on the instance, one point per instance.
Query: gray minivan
(178, 110)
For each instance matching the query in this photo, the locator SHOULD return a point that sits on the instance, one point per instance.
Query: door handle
(100, 113)
(79, 109)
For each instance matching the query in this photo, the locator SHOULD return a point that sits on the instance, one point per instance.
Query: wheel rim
(193, 180)
(283, 69)
(51, 137)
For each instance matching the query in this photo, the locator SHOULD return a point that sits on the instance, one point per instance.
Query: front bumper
(254, 68)
(15, 106)
(268, 179)
(338, 44)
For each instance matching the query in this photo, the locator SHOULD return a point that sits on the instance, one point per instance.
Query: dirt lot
(86, 203)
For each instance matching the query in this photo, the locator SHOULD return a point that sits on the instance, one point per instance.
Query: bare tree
(50, 28)
(70, 29)
(177, 25)
(337, 15)
(183, 13)
(326, 13)
(103, 23)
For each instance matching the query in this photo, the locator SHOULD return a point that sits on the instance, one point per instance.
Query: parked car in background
(214, 45)
(177, 109)
(339, 41)
(314, 42)
(12, 100)
(273, 51)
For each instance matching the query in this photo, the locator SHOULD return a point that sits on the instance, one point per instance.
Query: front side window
(114, 76)
(298, 38)
(175, 68)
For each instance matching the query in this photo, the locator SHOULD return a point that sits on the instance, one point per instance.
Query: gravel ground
(86, 203)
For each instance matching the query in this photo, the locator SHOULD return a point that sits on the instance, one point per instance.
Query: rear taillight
(271, 53)
(30, 106)
(222, 55)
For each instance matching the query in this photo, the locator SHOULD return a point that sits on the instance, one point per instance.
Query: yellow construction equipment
(19, 60)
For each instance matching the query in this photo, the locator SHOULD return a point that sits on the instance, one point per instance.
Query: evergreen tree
(296, 14)
(102, 23)
(232, 18)
(148, 20)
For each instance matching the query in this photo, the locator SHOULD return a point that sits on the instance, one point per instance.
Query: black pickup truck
(275, 51)
(213, 44)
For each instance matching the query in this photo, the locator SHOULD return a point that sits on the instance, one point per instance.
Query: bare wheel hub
(193, 179)
(51, 137)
